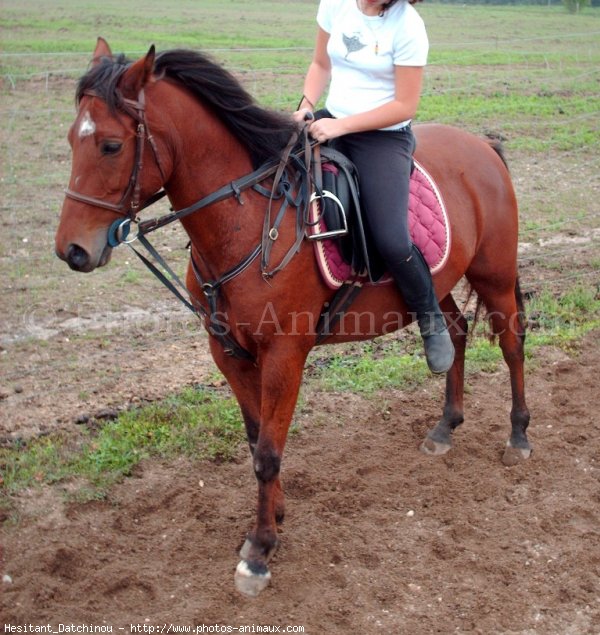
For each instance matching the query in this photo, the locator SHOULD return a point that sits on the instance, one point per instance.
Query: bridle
(130, 204)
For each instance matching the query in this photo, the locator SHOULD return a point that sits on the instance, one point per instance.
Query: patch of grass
(202, 424)
(131, 276)
(482, 356)
(562, 320)
(552, 313)
(369, 367)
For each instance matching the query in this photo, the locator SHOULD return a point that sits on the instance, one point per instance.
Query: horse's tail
(521, 315)
(479, 305)
(496, 144)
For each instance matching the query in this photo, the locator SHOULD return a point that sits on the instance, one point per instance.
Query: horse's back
(447, 150)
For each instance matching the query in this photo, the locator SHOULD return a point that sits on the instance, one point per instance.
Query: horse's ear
(102, 50)
(138, 74)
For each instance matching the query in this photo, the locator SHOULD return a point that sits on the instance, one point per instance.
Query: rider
(371, 54)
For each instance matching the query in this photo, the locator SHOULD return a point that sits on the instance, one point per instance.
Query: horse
(179, 122)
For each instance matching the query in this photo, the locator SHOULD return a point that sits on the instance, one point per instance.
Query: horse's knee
(267, 464)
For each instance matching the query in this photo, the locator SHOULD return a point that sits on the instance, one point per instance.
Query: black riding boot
(414, 281)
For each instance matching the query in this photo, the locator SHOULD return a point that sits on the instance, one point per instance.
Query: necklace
(374, 31)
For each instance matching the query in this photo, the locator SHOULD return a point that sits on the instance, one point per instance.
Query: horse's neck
(206, 156)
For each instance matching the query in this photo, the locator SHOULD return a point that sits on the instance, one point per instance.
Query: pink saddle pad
(428, 225)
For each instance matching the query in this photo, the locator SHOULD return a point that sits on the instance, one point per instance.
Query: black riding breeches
(384, 161)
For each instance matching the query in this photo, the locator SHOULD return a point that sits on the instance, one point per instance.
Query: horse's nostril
(77, 258)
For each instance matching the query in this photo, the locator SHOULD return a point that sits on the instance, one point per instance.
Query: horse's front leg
(281, 375)
(244, 378)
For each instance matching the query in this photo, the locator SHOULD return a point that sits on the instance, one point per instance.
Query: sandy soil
(378, 538)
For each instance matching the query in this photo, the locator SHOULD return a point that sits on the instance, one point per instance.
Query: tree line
(573, 6)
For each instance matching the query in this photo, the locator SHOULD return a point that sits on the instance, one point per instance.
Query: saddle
(337, 197)
(343, 245)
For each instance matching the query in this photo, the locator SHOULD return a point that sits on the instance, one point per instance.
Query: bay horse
(178, 121)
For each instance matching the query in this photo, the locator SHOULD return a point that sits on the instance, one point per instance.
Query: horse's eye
(110, 147)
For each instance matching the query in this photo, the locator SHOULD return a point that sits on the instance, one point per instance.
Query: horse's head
(110, 144)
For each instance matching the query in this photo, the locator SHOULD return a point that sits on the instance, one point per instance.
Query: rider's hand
(303, 115)
(327, 128)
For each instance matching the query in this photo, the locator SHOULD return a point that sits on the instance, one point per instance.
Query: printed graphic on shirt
(352, 44)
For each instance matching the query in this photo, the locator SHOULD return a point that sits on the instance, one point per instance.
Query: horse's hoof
(434, 448)
(251, 579)
(514, 456)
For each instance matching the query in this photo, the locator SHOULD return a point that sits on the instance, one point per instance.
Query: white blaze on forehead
(87, 126)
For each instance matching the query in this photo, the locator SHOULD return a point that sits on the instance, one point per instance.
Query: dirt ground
(378, 538)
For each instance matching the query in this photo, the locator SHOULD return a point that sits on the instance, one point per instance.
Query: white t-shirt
(364, 50)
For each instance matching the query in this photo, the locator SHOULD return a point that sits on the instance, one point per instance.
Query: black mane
(102, 79)
(263, 132)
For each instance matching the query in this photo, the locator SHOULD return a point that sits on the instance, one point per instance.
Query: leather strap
(334, 311)
(235, 188)
(219, 330)
(270, 232)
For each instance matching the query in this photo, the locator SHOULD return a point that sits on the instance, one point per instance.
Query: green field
(531, 71)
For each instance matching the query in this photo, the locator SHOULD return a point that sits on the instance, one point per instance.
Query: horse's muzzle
(79, 259)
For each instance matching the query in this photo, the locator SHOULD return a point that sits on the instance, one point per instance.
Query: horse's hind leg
(505, 312)
(439, 438)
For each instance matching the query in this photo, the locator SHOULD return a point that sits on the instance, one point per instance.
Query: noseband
(130, 204)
